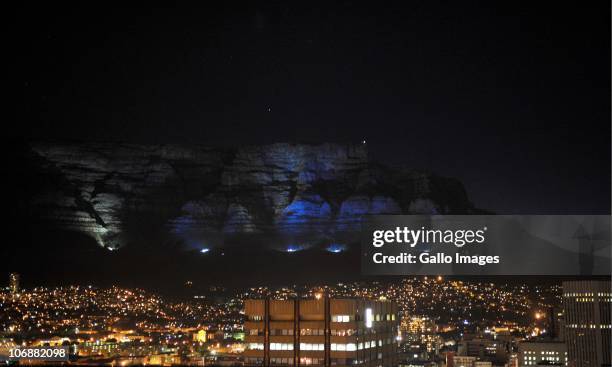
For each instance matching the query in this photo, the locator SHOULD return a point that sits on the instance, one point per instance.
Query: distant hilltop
(291, 194)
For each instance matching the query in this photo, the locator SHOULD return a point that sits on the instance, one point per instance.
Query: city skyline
(283, 184)
(485, 323)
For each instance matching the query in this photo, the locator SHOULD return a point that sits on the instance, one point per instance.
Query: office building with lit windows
(535, 353)
(588, 325)
(321, 332)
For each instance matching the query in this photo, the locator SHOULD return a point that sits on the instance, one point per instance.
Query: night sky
(512, 99)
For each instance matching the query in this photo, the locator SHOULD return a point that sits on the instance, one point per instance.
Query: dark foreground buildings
(587, 306)
(321, 332)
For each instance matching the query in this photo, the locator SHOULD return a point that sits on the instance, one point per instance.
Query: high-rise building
(321, 331)
(588, 326)
(14, 283)
(556, 324)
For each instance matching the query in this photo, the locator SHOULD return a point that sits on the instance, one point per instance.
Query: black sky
(513, 99)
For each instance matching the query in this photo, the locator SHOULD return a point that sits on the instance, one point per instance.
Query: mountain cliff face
(295, 196)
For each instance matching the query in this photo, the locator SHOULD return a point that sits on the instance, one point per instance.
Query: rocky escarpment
(292, 194)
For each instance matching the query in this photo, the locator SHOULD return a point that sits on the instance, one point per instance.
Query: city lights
(88, 317)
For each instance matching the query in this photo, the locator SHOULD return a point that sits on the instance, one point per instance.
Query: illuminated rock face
(200, 196)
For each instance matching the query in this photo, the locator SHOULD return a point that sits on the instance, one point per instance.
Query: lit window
(340, 318)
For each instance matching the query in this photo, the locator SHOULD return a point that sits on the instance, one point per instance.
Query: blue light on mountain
(336, 248)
